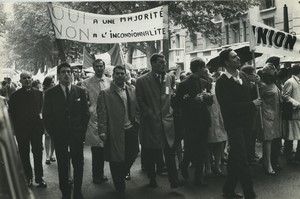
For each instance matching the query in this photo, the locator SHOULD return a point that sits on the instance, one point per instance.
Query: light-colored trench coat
(93, 87)
(111, 117)
(291, 92)
(154, 100)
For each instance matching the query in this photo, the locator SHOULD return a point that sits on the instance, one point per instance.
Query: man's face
(26, 80)
(203, 72)
(99, 69)
(233, 60)
(160, 65)
(65, 76)
(119, 76)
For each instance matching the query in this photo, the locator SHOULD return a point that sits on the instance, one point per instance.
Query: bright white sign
(86, 27)
(265, 39)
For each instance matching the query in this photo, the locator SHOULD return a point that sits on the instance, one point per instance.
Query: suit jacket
(195, 114)
(63, 121)
(111, 117)
(92, 85)
(154, 100)
(25, 109)
(236, 102)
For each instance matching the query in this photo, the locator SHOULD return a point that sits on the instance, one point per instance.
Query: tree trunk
(130, 53)
(149, 51)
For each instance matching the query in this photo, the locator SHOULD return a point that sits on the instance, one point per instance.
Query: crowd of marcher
(204, 119)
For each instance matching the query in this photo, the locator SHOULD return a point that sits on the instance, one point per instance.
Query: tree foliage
(29, 38)
(3, 19)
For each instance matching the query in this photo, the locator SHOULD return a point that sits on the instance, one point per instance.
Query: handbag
(287, 110)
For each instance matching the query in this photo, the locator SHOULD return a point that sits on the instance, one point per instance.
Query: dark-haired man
(66, 116)
(154, 91)
(193, 97)
(233, 92)
(118, 126)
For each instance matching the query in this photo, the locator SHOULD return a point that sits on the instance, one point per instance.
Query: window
(227, 34)
(245, 30)
(177, 41)
(265, 4)
(235, 32)
(269, 22)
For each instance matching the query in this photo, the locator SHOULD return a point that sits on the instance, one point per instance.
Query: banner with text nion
(86, 27)
(268, 40)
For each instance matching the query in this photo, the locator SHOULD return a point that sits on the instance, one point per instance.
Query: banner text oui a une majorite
(94, 28)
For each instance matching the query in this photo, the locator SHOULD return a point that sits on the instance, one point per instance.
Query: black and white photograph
(127, 99)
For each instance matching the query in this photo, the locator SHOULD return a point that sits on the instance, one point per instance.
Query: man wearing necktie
(25, 107)
(93, 86)
(66, 115)
(157, 124)
(234, 94)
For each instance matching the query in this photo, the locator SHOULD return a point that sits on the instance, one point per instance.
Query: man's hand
(257, 102)
(103, 136)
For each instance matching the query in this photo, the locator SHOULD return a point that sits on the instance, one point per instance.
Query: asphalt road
(285, 185)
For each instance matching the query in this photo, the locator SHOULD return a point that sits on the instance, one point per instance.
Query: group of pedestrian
(209, 112)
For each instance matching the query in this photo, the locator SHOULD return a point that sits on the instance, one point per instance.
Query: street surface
(286, 185)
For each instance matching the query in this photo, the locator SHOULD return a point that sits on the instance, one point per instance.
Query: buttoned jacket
(154, 100)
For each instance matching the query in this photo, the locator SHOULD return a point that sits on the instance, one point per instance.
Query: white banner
(265, 39)
(86, 27)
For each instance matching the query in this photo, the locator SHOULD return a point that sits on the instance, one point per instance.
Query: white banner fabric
(268, 40)
(86, 27)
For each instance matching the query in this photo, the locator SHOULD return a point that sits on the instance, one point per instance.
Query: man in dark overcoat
(193, 97)
(25, 108)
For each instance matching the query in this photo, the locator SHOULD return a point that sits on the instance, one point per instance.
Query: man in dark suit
(154, 92)
(193, 97)
(66, 116)
(25, 107)
(234, 94)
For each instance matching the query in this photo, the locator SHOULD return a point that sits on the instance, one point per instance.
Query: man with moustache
(118, 126)
(66, 116)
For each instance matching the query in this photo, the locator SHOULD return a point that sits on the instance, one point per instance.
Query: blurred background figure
(49, 144)
(217, 135)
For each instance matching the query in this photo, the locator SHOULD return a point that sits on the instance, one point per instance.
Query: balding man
(25, 106)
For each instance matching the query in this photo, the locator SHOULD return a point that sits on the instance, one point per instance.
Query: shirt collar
(237, 78)
(64, 87)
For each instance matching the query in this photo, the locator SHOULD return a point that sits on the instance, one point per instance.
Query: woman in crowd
(49, 145)
(217, 135)
(271, 118)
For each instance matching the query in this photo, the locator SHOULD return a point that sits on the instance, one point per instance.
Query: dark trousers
(160, 162)
(288, 149)
(195, 150)
(238, 168)
(120, 169)
(152, 156)
(62, 147)
(275, 151)
(97, 161)
(24, 140)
